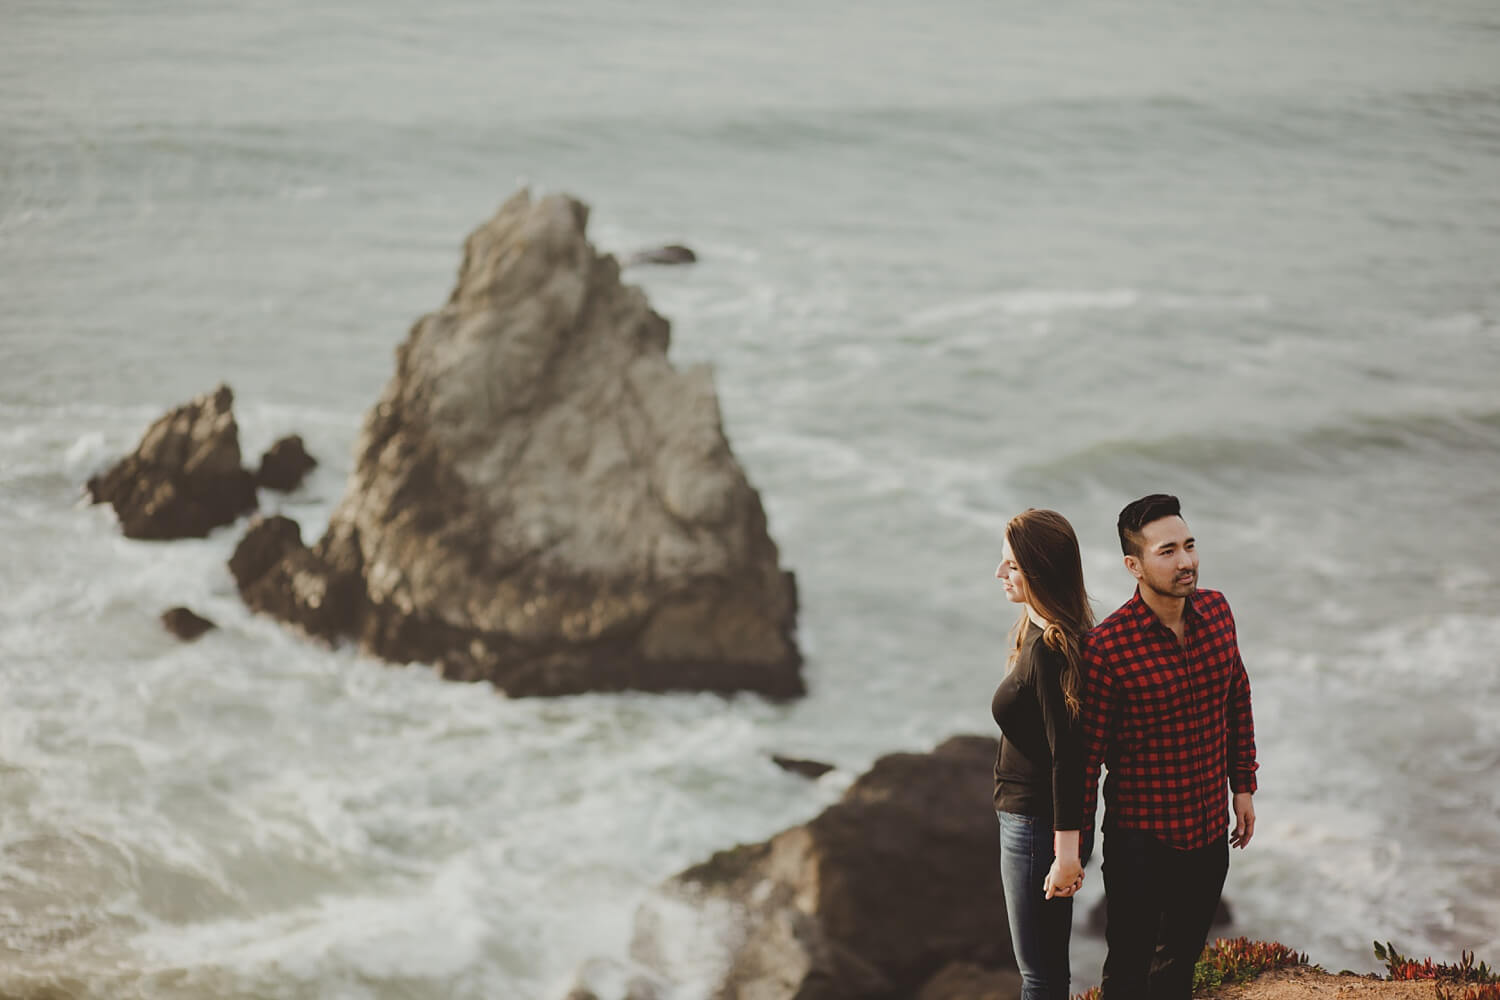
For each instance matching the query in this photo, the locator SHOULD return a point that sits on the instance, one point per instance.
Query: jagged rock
(672, 253)
(185, 478)
(186, 624)
(872, 898)
(967, 981)
(806, 768)
(285, 464)
(542, 501)
(277, 575)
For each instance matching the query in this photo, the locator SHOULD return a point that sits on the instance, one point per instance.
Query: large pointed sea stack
(541, 500)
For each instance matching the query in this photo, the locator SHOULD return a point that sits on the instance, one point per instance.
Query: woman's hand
(1066, 875)
(1064, 878)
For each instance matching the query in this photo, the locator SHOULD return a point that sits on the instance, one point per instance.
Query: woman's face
(1009, 575)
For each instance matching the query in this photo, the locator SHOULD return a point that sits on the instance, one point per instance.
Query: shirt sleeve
(1097, 721)
(1064, 738)
(1242, 762)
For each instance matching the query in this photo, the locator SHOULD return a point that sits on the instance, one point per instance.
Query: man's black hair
(1139, 513)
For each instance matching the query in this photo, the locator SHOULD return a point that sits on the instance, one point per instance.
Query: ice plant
(1237, 960)
(1234, 960)
(1474, 991)
(1400, 967)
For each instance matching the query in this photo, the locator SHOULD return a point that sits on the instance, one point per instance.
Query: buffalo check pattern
(1171, 722)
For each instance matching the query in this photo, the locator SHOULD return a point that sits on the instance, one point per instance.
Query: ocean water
(956, 260)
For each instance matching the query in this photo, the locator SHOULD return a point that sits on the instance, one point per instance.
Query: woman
(1039, 770)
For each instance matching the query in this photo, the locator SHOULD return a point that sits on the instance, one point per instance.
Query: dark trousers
(1159, 903)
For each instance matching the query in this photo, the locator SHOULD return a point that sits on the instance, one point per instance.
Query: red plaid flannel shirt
(1171, 722)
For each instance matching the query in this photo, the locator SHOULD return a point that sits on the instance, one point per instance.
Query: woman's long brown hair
(1046, 552)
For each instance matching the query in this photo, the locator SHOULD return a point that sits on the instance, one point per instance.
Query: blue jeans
(1040, 928)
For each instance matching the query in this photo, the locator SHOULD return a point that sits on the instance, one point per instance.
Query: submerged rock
(873, 898)
(285, 464)
(185, 623)
(807, 768)
(184, 479)
(542, 501)
(672, 253)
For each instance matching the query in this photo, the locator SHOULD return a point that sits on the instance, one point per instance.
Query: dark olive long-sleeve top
(1039, 769)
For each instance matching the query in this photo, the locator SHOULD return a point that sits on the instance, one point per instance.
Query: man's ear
(1134, 566)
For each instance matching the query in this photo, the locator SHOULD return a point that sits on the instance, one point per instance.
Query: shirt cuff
(1243, 782)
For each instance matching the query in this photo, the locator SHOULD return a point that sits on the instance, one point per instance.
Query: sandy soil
(1299, 984)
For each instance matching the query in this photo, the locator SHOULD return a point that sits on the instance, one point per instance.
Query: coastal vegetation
(1230, 962)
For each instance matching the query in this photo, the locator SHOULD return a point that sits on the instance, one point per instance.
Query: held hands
(1066, 875)
(1244, 820)
(1064, 879)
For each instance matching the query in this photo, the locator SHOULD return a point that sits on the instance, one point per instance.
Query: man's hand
(1244, 820)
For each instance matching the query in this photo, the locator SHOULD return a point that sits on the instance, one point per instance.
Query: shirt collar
(1145, 616)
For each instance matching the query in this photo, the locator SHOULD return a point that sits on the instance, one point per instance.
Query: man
(1166, 708)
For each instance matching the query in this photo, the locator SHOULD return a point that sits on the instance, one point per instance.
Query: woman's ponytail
(1068, 644)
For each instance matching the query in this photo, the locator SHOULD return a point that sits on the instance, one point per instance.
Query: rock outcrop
(542, 501)
(876, 897)
(285, 464)
(185, 478)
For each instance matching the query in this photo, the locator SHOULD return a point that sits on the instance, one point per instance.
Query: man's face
(1168, 563)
